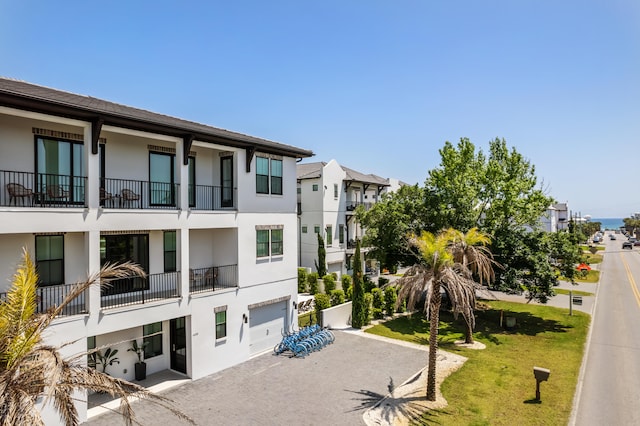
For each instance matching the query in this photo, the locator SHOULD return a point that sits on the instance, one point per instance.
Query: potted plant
(141, 366)
(107, 358)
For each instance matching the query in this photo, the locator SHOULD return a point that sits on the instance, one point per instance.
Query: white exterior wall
(204, 239)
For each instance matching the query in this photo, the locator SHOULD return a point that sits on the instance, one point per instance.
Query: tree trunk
(468, 335)
(434, 321)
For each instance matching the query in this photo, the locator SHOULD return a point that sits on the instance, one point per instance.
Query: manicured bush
(323, 301)
(377, 298)
(390, 298)
(382, 281)
(358, 308)
(368, 298)
(346, 282)
(349, 293)
(337, 297)
(377, 313)
(329, 283)
(368, 284)
(312, 279)
(302, 280)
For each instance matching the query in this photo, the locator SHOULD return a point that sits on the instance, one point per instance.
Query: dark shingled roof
(314, 170)
(31, 97)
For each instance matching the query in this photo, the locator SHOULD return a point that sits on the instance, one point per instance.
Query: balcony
(51, 296)
(139, 194)
(352, 205)
(137, 290)
(41, 190)
(213, 278)
(207, 197)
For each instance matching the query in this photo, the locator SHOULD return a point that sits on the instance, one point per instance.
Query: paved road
(610, 391)
(331, 387)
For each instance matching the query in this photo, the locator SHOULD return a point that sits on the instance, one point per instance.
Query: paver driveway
(331, 387)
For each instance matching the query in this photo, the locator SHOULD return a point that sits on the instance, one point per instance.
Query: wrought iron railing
(213, 278)
(41, 189)
(207, 197)
(352, 205)
(137, 290)
(48, 297)
(138, 194)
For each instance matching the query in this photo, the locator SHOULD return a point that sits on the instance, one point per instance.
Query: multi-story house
(209, 214)
(328, 195)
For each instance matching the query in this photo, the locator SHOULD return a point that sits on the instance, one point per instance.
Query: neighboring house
(328, 195)
(556, 218)
(209, 214)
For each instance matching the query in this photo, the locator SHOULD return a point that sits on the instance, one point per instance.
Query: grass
(575, 292)
(586, 248)
(592, 276)
(307, 319)
(592, 259)
(496, 385)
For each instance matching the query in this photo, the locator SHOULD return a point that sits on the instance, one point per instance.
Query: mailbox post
(541, 375)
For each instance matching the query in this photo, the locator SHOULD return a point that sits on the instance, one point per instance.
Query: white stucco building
(208, 213)
(328, 195)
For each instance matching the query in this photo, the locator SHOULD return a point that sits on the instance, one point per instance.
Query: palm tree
(30, 369)
(447, 263)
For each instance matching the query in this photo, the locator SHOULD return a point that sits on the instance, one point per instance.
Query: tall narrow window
(329, 236)
(60, 170)
(276, 177)
(221, 322)
(170, 258)
(262, 242)
(122, 248)
(262, 175)
(161, 179)
(341, 233)
(192, 181)
(91, 358)
(226, 178)
(276, 242)
(152, 339)
(335, 191)
(314, 187)
(50, 259)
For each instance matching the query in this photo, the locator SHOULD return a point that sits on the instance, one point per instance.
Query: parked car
(612, 236)
(627, 245)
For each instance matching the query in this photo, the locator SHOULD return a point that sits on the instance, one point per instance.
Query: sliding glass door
(60, 170)
(161, 179)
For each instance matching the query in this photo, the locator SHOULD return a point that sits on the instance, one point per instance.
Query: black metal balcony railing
(139, 194)
(213, 278)
(207, 197)
(351, 205)
(136, 290)
(51, 296)
(41, 189)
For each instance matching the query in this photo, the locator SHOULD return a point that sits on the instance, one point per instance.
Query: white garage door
(266, 325)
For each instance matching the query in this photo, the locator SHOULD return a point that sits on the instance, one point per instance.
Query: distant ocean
(609, 223)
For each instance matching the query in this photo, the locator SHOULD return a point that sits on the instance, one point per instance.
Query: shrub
(349, 293)
(368, 284)
(382, 281)
(377, 313)
(312, 278)
(390, 298)
(323, 301)
(335, 276)
(377, 299)
(346, 282)
(368, 298)
(337, 297)
(329, 283)
(302, 280)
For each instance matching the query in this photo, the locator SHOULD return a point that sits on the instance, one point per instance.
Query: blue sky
(377, 85)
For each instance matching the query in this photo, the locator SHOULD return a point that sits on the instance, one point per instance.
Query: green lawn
(592, 259)
(496, 385)
(586, 248)
(592, 276)
(575, 292)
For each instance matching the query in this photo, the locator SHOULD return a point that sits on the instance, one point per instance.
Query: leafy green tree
(388, 222)
(440, 268)
(31, 370)
(321, 263)
(358, 302)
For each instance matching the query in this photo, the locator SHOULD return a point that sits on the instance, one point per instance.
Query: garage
(267, 321)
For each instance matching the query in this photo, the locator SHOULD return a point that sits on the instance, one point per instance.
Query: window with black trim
(314, 187)
(91, 358)
(341, 234)
(329, 235)
(170, 257)
(276, 242)
(192, 181)
(50, 259)
(335, 191)
(161, 179)
(276, 176)
(262, 175)
(221, 323)
(316, 229)
(152, 339)
(304, 229)
(262, 242)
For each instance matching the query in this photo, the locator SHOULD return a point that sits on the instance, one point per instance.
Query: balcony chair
(57, 193)
(18, 191)
(105, 196)
(128, 196)
(211, 277)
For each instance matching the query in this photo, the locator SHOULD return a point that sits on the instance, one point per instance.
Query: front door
(178, 342)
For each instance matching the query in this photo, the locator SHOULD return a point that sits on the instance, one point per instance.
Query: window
(314, 187)
(335, 191)
(316, 229)
(161, 179)
(91, 358)
(121, 248)
(329, 235)
(262, 175)
(226, 171)
(170, 251)
(341, 234)
(299, 190)
(192, 182)
(60, 170)
(221, 322)
(276, 176)
(262, 242)
(276, 242)
(50, 259)
(152, 339)
(304, 229)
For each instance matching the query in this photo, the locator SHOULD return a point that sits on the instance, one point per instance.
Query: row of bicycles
(304, 341)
